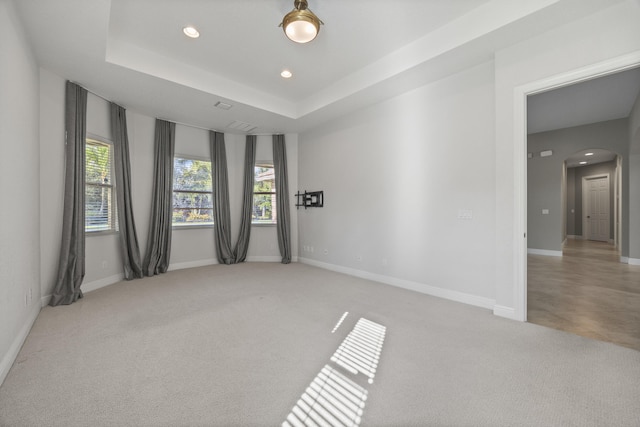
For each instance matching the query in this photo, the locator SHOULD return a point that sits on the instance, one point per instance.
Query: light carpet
(239, 345)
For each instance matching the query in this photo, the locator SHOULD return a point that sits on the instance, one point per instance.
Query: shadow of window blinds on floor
(333, 399)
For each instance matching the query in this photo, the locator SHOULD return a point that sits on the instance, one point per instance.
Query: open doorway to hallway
(575, 231)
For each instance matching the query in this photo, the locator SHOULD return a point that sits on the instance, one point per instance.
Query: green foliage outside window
(99, 192)
(264, 196)
(192, 192)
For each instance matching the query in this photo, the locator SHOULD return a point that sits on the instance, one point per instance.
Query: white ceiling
(133, 52)
(605, 98)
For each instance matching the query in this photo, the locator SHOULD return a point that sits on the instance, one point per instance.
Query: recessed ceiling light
(583, 163)
(191, 32)
(286, 74)
(588, 154)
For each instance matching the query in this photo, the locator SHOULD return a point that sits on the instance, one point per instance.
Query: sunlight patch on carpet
(333, 399)
(360, 350)
(335, 328)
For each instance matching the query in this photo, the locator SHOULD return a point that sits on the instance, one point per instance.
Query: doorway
(595, 201)
(521, 93)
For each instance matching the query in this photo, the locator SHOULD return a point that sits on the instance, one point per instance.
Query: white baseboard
(545, 252)
(406, 284)
(213, 261)
(574, 236)
(97, 284)
(89, 286)
(9, 358)
(506, 312)
(633, 261)
(192, 264)
(277, 258)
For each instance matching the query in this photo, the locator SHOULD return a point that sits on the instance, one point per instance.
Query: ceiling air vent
(223, 105)
(241, 126)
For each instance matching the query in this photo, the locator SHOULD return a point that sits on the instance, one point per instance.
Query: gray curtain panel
(129, 248)
(242, 245)
(282, 197)
(158, 252)
(221, 215)
(71, 263)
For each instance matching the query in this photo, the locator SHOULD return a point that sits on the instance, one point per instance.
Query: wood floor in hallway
(587, 291)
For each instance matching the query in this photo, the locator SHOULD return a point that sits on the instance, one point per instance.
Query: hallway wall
(544, 176)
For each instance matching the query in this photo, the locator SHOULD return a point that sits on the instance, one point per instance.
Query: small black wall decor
(310, 199)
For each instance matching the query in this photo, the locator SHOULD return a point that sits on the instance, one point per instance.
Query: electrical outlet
(359, 258)
(104, 265)
(465, 214)
(326, 251)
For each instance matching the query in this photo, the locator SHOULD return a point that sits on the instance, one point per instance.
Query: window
(100, 202)
(192, 192)
(264, 195)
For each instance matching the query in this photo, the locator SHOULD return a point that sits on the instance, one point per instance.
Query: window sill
(191, 226)
(261, 224)
(100, 233)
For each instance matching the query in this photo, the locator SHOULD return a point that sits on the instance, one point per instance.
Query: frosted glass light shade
(301, 31)
(301, 25)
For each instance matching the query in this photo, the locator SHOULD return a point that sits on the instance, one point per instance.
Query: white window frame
(186, 225)
(264, 164)
(112, 218)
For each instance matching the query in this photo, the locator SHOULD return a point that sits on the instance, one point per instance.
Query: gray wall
(571, 202)
(634, 184)
(544, 176)
(396, 176)
(19, 188)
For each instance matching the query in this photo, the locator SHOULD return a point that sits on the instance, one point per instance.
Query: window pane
(98, 163)
(190, 174)
(264, 195)
(97, 208)
(264, 180)
(100, 214)
(184, 216)
(264, 209)
(192, 198)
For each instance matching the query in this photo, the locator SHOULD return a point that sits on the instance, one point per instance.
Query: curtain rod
(178, 123)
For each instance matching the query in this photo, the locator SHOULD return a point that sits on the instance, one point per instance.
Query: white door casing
(519, 235)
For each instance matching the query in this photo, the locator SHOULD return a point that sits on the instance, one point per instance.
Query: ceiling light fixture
(301, 25)
(588, 154)
(191, 32)
(286, 74)
(583, 163)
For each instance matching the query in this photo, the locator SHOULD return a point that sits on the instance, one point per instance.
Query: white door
(597, 214)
